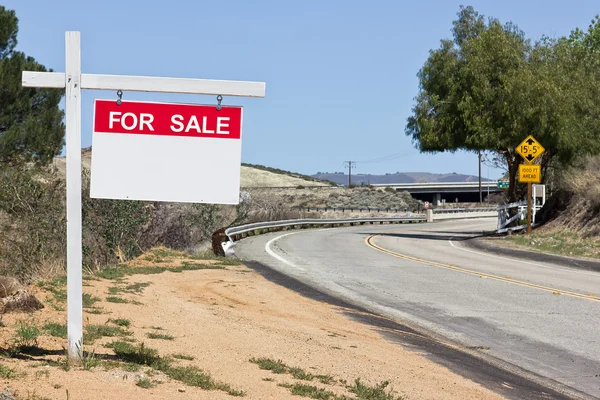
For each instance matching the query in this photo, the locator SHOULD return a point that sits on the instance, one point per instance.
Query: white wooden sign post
(72, 80)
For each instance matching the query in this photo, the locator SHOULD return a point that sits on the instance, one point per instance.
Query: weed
(377, 392)
(131, 367)
(268, 379)
(115, 290)
(137, 288)
(110, 364)
(26, 335)
(157, 328)
(115, 299)
(62, 363)
(56, 330)
(89, 300)
(141, 354)
(39, 374)
(153, 335)
(89, 360)
(94, 332)
(121, 322)
(326, 379)
(96, 311)
(164, 252)
(57, 386)
(277, 367)
(8, 373)
(478, 347)
(193, 376)
(137, 303)
(183, 357)
(144, 382)
(302, 389)
(190, 375)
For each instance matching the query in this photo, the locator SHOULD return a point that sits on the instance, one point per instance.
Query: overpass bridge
(463, 192)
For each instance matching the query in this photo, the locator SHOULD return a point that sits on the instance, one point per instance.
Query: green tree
(489, 87)
(31, 126)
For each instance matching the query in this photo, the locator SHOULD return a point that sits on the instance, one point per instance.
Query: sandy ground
(223, 318)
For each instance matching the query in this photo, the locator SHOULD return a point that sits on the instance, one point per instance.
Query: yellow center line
(370, 242)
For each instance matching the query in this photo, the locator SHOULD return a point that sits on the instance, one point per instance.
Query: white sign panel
(166, 152)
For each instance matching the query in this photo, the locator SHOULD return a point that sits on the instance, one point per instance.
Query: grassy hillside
(251, 175)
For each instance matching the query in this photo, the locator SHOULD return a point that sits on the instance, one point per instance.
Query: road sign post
(530, 149)
(73, 81)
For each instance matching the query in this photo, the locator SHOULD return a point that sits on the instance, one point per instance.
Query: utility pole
(350, 165)
(480, 194)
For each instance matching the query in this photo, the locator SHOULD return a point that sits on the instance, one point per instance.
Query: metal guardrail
(463, 210)
(354, 209)
(235, 232)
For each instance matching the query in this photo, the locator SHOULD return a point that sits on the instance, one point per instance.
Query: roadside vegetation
(361, 390)
(571, 216)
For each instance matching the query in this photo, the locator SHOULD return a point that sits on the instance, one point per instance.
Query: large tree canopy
(489, 87)
(31, 126)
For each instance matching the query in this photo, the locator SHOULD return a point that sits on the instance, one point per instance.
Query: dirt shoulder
(218, 317)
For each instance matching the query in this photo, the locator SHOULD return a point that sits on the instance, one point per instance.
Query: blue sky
(341, 74)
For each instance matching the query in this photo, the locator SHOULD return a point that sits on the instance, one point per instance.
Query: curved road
(536, 317)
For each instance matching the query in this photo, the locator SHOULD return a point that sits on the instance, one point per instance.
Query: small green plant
(115, 299)
(277, 367)
(136, 288)
(7, 373)
(121, 322)
(39, 374)
(164, 252)
(183, 357)
(96, 311)
(26, 335)
(157, 328)
(377, 392)
(268, 379)
(89, 300)
(56, 330)
(113, 290)
(110, 364)
(193, 376)
(57, 386)
(131, 367)
(141, 354)
(89, 360)
(144, 382)
(94, 332)
(162, 336)
(302, 389)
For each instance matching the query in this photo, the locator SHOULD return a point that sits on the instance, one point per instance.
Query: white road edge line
(277, 256)
(581, 272)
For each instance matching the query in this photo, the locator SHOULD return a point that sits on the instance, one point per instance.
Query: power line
(384, 158)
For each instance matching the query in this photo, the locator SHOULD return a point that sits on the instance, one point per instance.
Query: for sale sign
(166, 152)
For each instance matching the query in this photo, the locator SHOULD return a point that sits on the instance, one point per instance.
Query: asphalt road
(538, 317)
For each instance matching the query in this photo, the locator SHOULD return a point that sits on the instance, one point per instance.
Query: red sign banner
(167, 119)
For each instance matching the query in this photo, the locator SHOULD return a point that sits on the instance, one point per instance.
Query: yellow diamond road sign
(530, 149)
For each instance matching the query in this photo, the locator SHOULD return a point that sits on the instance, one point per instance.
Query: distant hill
(398, 177)
(250, 176)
